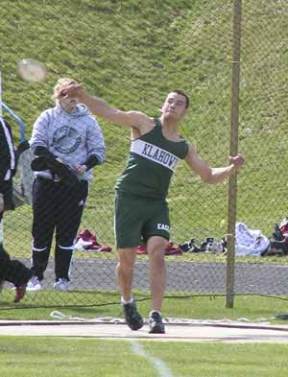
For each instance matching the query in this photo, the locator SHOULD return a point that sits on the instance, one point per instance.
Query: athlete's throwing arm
(142, 123)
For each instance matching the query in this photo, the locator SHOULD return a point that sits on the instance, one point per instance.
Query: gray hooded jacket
(71, 137)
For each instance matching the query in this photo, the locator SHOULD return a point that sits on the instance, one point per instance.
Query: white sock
(123, 302)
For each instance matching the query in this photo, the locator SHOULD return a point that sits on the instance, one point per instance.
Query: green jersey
(152, 161)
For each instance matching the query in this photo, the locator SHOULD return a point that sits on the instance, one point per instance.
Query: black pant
(12, 270)
(58, 207)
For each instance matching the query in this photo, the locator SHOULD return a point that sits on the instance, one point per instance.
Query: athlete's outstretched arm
(102, 109)
(208, 174)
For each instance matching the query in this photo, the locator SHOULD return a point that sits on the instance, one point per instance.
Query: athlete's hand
(72, 90)
(237, 161)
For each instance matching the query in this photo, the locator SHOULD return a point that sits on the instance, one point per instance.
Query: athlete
(141, 211)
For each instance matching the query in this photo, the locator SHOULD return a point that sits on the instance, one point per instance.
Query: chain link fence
(133, 54)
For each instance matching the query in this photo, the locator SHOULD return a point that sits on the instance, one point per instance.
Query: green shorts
(138, 218)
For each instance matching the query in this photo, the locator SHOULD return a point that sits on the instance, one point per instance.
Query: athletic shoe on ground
(156, 324)
(132, 317)
(61, 284)
(34, 284)
(20, 292)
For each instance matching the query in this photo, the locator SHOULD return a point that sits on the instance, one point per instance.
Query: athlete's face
(174, 106)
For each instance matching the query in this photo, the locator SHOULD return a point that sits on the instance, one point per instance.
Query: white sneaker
(34, 284)
(61, 285)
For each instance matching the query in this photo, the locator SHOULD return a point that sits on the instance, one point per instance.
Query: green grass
(251, 308)
(27, 356)
(42, 356)
(132, 53)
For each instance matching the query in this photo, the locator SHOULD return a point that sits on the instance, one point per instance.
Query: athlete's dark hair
(178, 91)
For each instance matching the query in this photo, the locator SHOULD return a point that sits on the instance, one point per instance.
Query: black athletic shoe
(132, 317)
(156, 324)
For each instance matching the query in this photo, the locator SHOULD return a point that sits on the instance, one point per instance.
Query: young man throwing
(141, 211)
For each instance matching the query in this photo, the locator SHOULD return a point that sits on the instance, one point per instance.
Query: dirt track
(187, 277)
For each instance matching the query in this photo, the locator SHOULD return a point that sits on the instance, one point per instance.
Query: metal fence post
(232, 189)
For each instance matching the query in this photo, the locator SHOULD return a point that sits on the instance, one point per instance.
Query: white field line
(158, 364)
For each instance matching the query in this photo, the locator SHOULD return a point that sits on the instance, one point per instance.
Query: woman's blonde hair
(64, 81)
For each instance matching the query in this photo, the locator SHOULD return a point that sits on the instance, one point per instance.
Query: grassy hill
(132, 53)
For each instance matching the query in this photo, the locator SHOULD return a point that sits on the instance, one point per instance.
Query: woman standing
(67, 142)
